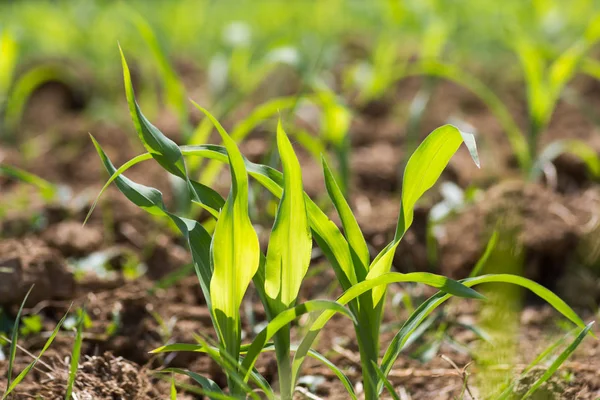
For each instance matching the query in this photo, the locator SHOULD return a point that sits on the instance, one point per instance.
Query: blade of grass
(173, 389)
(559, 361)
(13, 341)
(386, 382)
(47, 189)
(506, 392)
(75, 354)
(29, 367)
(491, 245)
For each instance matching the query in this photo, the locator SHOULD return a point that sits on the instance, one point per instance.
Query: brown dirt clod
(28, 262)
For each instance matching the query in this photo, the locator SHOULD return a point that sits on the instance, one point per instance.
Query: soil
(102, 377)
(46, 245)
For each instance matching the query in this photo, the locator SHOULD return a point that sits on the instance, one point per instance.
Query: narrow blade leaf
(235, 251)
(358, 244)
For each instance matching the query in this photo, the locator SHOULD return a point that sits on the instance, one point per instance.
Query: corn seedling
(228, 261)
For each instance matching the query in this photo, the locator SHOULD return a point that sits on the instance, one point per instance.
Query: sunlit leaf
(354, 235)
(235, 250)
(290, 244)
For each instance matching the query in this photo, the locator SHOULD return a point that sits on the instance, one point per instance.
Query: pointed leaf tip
(469, 141)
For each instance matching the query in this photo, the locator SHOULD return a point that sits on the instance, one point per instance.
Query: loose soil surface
(120, 265)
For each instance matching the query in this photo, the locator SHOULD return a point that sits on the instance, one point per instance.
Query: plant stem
(284, 363)
(367, 333)
(368, 354)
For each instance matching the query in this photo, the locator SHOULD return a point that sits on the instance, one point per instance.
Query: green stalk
(536, 127)
(367, 333)
(284, 363)
(368, 346)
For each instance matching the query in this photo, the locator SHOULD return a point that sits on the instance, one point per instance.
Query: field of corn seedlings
(337, 199)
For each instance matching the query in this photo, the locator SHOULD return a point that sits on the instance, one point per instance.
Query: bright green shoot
(9, 51)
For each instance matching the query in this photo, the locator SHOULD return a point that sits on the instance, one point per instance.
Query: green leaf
(163, 150)
(290, 244)
(532, 62)
(29, 367)
(559, 361)
(427, 164)
(356, 240)
(25, 85)
(13, 341)
(208, 198)
(233, 369)
(235, 251)
(489, 248)
(114, 175)
(336, 118)
(260, 343)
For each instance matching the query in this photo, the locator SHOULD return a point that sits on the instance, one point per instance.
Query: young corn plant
(545, 83)
(228, 261)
